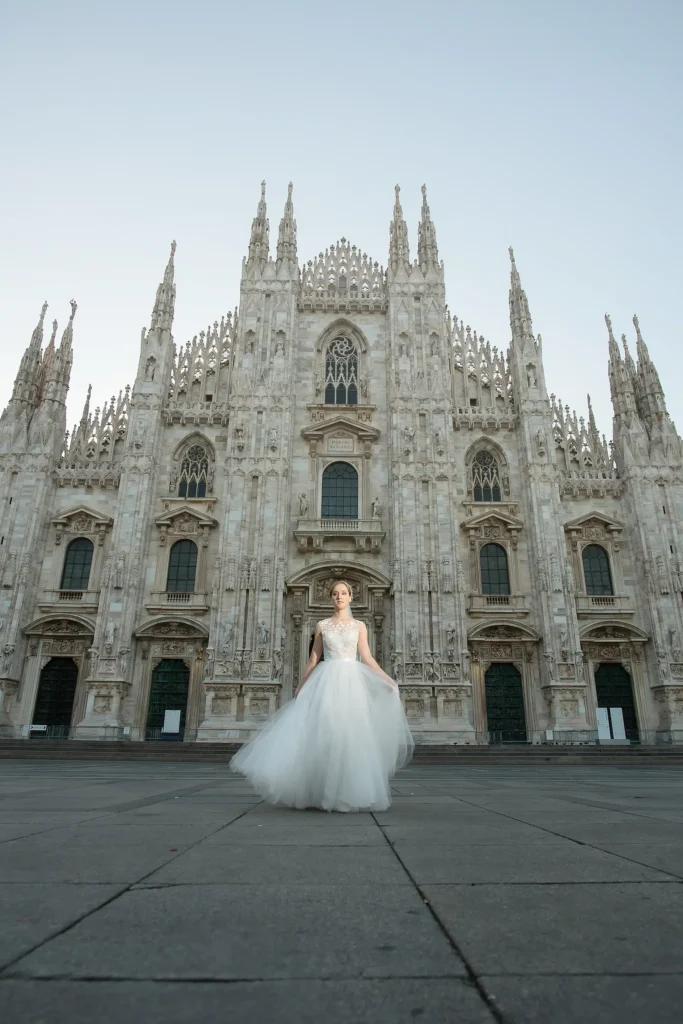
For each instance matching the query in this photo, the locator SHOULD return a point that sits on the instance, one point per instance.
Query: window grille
(493, 562)
(485, 477)
(194, 471)
(596, 572)
(77, 562)
(340, 492)
(182, 567)
(341, 373)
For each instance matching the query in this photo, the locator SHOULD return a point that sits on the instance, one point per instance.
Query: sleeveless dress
(337, 745)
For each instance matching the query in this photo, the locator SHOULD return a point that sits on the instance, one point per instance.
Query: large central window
(341, 373)
(340, 492)
(194, 470)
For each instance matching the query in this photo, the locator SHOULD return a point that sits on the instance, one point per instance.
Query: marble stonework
(455, 445)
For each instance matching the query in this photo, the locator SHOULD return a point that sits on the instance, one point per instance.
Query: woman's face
(341, 598)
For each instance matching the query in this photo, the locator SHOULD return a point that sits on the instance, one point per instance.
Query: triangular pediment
(493, 518)
(82, 513)
(343, 425)
(185, 514)
(593, 519)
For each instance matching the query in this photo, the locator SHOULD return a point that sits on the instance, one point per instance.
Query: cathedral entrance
(168, 693)
(505, 713)
(614, 689)
(55, 700)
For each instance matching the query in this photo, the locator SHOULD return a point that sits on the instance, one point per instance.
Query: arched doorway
(614, 689)
(505, 715)
(168, 692)
(55, 701)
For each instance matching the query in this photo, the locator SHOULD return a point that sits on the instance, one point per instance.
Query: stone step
(84, 750)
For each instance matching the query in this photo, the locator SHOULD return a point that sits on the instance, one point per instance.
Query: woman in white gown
(339, 742)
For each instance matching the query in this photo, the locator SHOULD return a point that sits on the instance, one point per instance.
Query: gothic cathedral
(162, 565)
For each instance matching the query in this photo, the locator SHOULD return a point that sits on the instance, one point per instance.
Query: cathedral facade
(163, 564)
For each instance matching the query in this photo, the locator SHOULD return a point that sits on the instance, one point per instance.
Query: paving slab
(382, 1001)
(245, 833)
(569, 929)
(639, 830)
(666, 857)
(607, 1000)
(253, 932)
(33, 912)
(312, 865)
(466, 834)
(51, 858)
(533, 863)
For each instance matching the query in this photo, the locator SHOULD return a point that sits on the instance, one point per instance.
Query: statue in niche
(532, 380)
(227, 640)
(150, 368)
(263, 634)
(376, 508)
(364, 386)
(439, 441)
(408, 439)
(303, 505)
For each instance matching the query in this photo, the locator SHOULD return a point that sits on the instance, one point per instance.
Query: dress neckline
(341, 624)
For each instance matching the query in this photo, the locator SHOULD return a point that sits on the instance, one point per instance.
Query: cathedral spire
(427, 252)
(399, 253)
(286, 240)
(592, 425)
(164, 304)
(628, 358)
(520, 317)
(258, 244)
(614, 353)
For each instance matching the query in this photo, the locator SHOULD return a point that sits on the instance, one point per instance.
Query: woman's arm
(367, 658)
(313, 660)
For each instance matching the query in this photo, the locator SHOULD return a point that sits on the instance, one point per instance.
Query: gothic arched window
(341, 373)
(493, 562)
(485, 477)
(194, 470)
(340, 492)
(76, 572)
(596, 572)
(182, 567)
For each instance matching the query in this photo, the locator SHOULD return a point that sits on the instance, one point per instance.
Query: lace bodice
(340, 639)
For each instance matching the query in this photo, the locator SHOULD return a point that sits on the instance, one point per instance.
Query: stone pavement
(526, 895)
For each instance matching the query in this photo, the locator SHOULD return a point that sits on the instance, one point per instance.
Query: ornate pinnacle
(427, 251)
(286, 242)
(399, 253)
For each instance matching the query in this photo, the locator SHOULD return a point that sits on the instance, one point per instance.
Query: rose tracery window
(341, 373)
(194, 471)
(485, 477)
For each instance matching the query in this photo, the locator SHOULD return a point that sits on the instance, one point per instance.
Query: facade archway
(53, 710)
(614, 691)
(505, 712)
(169, 691)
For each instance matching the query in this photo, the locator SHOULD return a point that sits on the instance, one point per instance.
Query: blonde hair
(345, 584)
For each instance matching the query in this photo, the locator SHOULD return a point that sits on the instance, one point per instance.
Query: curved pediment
(179, 627)
(503, 631)
(615, 632)
(60, 625)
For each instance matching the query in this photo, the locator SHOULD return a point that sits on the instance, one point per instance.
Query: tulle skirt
(335, 747)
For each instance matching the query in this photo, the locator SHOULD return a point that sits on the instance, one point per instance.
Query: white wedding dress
(337, 745)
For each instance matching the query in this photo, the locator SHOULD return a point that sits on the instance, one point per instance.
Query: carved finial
(511, 251)
(74, 306)
(636, 324)
(397, 190)
(173, 247)
(424, 192)
(290, 189)
(43, 312)
(608, 321)
(54, 332)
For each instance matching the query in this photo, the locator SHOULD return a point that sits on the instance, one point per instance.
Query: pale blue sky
(555, 128)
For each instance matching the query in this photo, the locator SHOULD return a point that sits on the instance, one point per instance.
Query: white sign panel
(603, 724)
(171, 721)
(618, 731)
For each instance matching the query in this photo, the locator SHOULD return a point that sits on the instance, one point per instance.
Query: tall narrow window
(194, 471)
(341, 373)
(182, 567)
(485, 477)
(596, 571)
(493, 562)
(76, 572)
(340, 492)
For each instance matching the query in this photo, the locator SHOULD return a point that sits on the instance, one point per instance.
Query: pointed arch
(486, 471)
(344, 328)
(196, 457)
